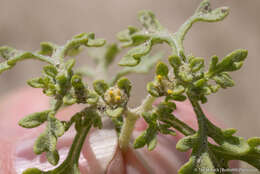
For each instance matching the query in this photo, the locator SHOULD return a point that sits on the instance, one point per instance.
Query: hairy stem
(71, 162)
(131, 116)
(127, 129)
(202, 123)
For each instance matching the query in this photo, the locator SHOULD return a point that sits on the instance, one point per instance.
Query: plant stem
(127, 129)
(181, 127)
(202, 122)
(131, 117)
(70, 165)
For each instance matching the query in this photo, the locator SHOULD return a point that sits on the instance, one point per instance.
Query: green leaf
(224, 80)
(254, 141)
(34, 120)
(144, 66)
(36, 82)
(92, 98)
(32, 171)
(152, 143)
(162, 69)
(53, 157)
(7, 52)
(110, 54)
(100, 86)
(204, 12)
(47, 48)
(55, 126)
(50, 70)
(125, 85)
(186, 143)
(175, 61)
(83, 39)
(153, 90)
(231, 62)
(185, 73)
(115, 112)
(45, 142)
(196, 64)
(200, 83)
(96, 42)
(177, 97)
(140, 141)
(79, 89)
(148, 20)
(133, 56)
(178, 89)
(165, 108)
(70, 64)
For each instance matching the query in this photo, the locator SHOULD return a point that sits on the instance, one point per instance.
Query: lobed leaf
(34, 120)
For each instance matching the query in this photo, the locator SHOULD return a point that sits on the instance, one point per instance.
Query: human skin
(100, 153)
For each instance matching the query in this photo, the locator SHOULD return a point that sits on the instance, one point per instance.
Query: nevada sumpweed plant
(187, 78)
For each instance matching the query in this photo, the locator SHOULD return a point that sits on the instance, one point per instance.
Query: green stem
(131, 117)
(70, 165)
(127, 129)
(202, 122)
(181, 127)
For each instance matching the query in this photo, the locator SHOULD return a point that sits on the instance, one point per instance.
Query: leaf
(96, 42)
(36, 82)
(224, 80)
(186, 143)
(152, 89)
(162, 69)
(34, 120)
(152, 143)
(115, 112)
(110, 54)
(50, 70)
(53, 157)
(204, 12)
(175, 61)
(201, 165)
(140, 141)
(92, 98)
(100, 87)
(125, 85)
(45, 142)
(55, 126)
(178, 89)
(185, 73)
(80, 90)
(7, 52)
(47, 48)
(177, 97)
(231, 62)
(70, 64)
(148, 20)
(144, 66)
(83, 39)
(32, 171)
(196, 64)
(133, 56)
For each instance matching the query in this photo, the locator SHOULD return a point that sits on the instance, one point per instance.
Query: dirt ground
(25, 23)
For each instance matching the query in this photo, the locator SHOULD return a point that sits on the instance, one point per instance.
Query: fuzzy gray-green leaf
(34, 120)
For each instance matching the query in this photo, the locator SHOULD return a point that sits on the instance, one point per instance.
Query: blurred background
(26, 23)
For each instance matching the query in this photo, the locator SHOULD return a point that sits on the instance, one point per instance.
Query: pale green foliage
(186, 77)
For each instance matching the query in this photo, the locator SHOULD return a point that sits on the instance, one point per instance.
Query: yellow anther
(169, 91)
(110, 92)
(159, 77)
(118, 92)
(118, 98)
